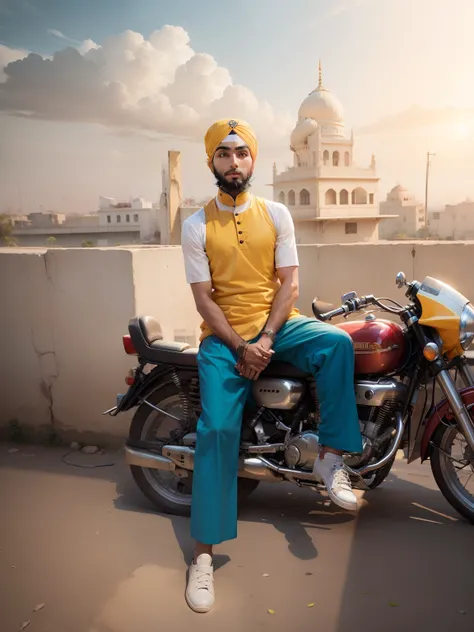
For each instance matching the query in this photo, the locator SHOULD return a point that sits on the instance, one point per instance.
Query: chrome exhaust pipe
(257, 470)
(141, 458)
(392, 452)
(182, 458)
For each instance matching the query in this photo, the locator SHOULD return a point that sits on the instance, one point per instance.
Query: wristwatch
(270, 333)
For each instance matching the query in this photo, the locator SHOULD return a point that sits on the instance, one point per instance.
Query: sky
(93, 93)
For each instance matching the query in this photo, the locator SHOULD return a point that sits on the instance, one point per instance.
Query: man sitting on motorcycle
(242, 264)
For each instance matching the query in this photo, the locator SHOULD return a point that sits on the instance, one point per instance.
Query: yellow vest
(241, 252)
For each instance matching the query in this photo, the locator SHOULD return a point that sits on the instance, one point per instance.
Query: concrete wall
(63, 313)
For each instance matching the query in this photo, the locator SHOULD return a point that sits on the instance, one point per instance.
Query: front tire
(455, 480)
(167, 492)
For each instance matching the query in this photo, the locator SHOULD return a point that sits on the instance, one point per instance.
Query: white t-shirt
(193, 239)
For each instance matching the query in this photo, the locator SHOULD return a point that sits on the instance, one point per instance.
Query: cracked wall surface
(27, 362)
(63, 313)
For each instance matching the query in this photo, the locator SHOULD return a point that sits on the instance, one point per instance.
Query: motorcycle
(395, 362)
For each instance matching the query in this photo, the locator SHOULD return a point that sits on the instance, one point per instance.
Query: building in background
(456, 222)
(116, 222)
(406, 215)
(331, 199)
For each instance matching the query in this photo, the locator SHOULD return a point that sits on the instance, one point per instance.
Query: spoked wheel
(452, 463)
(168, 492)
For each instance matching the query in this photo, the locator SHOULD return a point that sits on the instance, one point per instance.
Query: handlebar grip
(335, 312)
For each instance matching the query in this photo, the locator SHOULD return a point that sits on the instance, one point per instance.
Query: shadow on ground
(406, 563)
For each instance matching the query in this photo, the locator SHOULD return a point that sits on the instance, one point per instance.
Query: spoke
(467, 480)
(460, 469)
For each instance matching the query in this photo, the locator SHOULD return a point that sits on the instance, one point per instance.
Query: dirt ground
(87, 545)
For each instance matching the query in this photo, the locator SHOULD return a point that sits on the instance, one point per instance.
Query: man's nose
(234, 161)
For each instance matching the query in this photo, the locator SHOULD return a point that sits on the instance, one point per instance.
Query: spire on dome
(320, 82)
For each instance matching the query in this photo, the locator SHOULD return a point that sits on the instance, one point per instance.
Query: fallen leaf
(13, 566)
(24, 625)
(270, 611)
(308, 573)
(311, 605)
(392, 604)
(265, 575)
(40, 606)
(462, 612)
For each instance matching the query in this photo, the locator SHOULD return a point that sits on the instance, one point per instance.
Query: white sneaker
(200, 589)
(331, 470)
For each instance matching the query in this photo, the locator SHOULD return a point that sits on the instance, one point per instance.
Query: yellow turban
(221, 129)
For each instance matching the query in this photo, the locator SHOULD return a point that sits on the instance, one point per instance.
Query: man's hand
(256, 359)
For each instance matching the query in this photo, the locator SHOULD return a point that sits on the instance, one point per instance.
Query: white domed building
(330, 198)
(406, 214)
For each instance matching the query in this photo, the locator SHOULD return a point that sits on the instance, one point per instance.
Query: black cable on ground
(84, 465)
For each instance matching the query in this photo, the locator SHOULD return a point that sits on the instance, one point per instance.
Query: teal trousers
(314, 347)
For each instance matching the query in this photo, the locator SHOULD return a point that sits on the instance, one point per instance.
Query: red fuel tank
(380, 346)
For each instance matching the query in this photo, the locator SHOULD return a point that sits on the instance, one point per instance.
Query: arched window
(291, 198)
(344, 197)
(335, 159)
(347, 159)
(304, 197)
(331, 197)
(281, 197)
(326, 157)
(359, 196)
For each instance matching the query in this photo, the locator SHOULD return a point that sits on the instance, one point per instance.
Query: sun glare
(463, 129)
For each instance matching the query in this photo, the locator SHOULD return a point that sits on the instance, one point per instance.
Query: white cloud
(57, 33)
(9, 55)
(87, 45)
(83, 47)
(156, 85)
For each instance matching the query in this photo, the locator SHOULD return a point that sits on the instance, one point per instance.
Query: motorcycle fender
(158, 377)
(441, 411)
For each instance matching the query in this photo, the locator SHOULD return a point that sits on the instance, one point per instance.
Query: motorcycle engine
(302, 450)
(376, 426)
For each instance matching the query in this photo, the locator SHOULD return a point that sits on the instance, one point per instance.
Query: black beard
(234, 187)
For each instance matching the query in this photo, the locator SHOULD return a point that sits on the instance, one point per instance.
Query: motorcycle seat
(147, 338)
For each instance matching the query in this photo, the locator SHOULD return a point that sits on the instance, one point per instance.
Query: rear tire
(148, 481)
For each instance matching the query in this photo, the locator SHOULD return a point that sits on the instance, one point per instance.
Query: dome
(302, 131)
(398, 189)
(322, 107)
(399, 193)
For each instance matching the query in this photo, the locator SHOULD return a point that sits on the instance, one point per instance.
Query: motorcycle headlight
(466, 327)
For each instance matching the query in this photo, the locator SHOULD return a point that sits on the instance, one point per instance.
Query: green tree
(6, 228)
(51, 241)
(11, 242)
